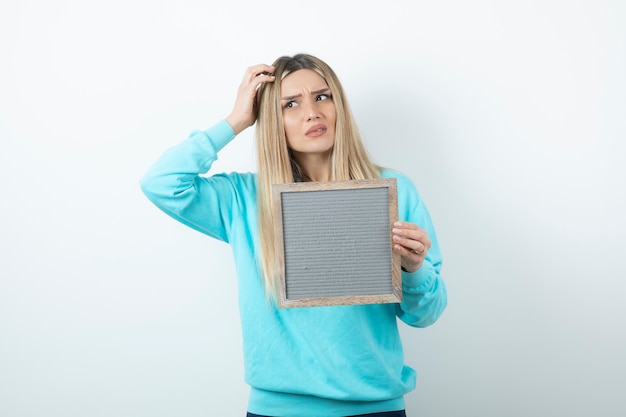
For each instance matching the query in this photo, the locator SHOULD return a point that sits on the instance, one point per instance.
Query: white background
(509, 116)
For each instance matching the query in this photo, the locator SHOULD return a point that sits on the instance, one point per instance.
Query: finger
(409, 258)
(413, 239)
(263, 78)
(408, 229)
(417, 247)
(411, 231)
(407, 225)
(254, 77)
(256, 70)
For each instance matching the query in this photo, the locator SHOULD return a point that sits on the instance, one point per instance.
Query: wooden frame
(326, 255)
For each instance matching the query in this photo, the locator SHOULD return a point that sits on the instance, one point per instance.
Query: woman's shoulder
(398, 175)
(405, 185)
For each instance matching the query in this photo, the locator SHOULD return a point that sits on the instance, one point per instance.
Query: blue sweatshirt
(312, 361)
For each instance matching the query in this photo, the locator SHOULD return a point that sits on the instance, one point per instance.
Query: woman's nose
(311, 110)
(313, 115)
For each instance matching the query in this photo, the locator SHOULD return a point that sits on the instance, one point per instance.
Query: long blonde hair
(276, 165)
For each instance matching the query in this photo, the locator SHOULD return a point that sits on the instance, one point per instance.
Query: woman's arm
(424, 295)
(175, 185)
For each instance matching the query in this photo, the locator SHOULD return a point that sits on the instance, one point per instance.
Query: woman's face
(308, 112)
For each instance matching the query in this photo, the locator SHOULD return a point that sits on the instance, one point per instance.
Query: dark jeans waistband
(399, 413)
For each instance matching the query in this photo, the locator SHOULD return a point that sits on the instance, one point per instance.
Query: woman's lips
(316, 130)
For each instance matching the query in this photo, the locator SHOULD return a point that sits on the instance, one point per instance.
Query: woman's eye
(290, 104)
(323, 97)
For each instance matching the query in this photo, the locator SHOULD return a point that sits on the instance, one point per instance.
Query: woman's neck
(314, 167)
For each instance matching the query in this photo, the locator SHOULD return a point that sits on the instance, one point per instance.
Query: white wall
(509, 115)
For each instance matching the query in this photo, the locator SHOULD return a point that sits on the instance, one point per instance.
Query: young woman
(314, 361)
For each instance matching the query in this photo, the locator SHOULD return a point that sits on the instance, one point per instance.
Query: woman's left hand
(412, 243)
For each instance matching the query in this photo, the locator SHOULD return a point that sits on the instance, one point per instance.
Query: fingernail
(399, 224)
(396, 230)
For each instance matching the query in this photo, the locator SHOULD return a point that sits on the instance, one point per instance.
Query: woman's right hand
(244, 111)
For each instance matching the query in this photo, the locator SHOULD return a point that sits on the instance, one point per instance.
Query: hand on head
(244, 111)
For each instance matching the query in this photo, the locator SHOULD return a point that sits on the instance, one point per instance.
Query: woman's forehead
(304, 79)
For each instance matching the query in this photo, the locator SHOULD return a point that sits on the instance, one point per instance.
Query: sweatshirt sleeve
(424, 295)
(175, 185)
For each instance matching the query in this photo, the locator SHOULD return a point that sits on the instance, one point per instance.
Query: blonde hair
(276, 165)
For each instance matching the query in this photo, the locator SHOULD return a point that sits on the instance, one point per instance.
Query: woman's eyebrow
(323, 90)
(289, 98)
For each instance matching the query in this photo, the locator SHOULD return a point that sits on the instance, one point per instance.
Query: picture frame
(334, 243)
